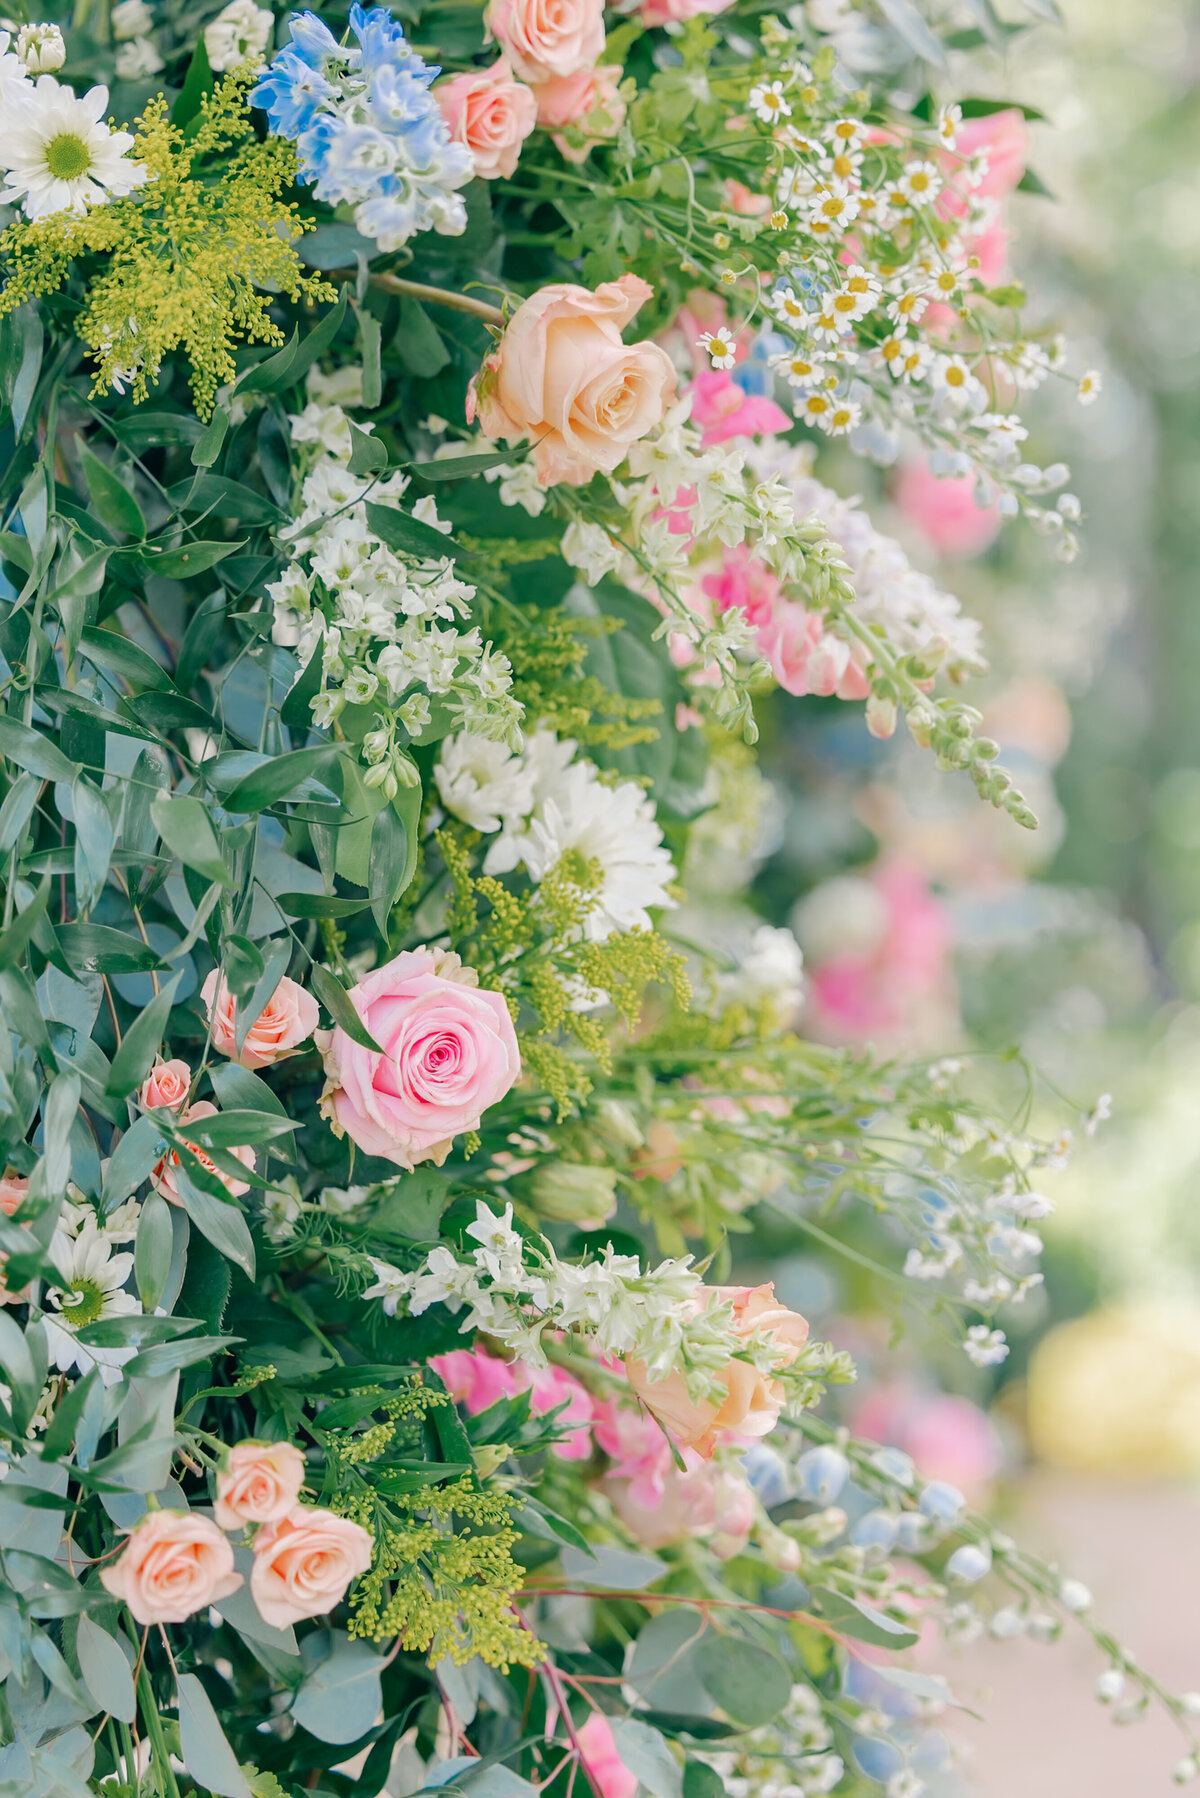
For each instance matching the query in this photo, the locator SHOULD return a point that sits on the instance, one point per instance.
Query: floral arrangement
(409, 500)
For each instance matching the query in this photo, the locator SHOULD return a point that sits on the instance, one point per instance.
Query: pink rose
(1003, 137)
(664, 12)
(13, 1188)
(491, 114)
(304, 1562)
(167, 1084)
(752, 1400)
(289, 1017)
(163, 1176)
(709, 1502)
(449, 1051)
(606, 1771)
(174, 1564)
(640, 1453)
(561, 374)
(544, 38)
(944, 510)
(723, 410)
(589, 99)
(259, 1483)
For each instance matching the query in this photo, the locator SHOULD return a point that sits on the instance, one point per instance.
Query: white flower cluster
(388, 627)
(653, 1317)
(547, 800)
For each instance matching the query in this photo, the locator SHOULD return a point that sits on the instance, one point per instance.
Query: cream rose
(174, 1564)
(562, 376)
(544, 38)
(167, 1084)
(448, 1052)
(491, 114)
(259, 1483)
(752, 1400)
(304, 1563)
(288, 1018)
(162, 1177)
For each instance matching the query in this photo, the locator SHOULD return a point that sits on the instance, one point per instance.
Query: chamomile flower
(948, 121)
(769, 101)
(843, 161)
(58, 155)
(801, 371)
(920, 183)
(908, 358)
(860, 292)
(953, 378)
(832, 209)
(1004, 429)
(841, 418)
(788, 308)
(1089, 388)
(814, 409)
(721, 347)
(847, 134)
(829, 325)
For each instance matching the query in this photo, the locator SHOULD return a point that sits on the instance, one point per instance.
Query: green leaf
(60, 1431)
(393, 858)
(27, 322)
(58, 1116)
(111, 496)
(279, 777)
(407, 535)
(240, 1090)
(612, 1569)
(142, 1145)
(152, 1250)
(861, 1621)
(291, 363)
(207, 447)
(644, 1751)
(106, 1672)
(17, 810)
(122, 657)
(231, 1129)
(196, 83)
(131, 1331)
(340, 1698)
(188, 559)
(164, 1358)
(750, 1684)
(224, 1224)
(16, 939)
(296, 710)
(202, 1742)
(36, 753)
(702, 1781)
(95, 840)
(97, 948)
(135, 1057)
(318, 905)
(462, 468)
(186, 828)
(1032, 183)
(335, 999)
(368, 453)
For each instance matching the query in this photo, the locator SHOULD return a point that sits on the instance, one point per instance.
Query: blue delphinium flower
(368, 132)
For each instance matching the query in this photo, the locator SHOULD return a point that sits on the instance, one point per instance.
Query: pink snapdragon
(804, 656)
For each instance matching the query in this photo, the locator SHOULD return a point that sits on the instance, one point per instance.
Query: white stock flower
(240, 33)
(137, 59)
(590, 549)
(57, 153)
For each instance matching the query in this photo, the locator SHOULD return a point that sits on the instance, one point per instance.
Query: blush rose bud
(174, 1564)
(167, 1085)
(259, 1483)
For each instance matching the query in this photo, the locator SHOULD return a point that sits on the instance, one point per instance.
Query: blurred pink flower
(885, 988)
(605, 1768)
(476, 1380)
(723, 410)
(804, 656)
(943, 509)
(948, 1437)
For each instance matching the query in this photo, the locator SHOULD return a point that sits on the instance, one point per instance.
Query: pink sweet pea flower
(723, 410)
(605, 1768)
(944, 510)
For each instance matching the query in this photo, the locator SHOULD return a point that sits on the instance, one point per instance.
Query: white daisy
(483, 783)
(92, 1282)
(921, 183)
(58, 154)
(614, 827)
(769, 102)
(722, 349)
(12, 68)
(1089, 387)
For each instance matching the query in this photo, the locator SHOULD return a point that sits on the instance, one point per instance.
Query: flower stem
(440, 296)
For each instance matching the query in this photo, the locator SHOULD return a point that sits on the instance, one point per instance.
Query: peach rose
(590, 99)
(491, 114)
(13, 1188)
(304, 1562)
(544, 38)
(259, 1483)
(166, 1084)
(163, 1176)
(752, 1400)
(560, 374)
(289, 1017)
(174, 1564)
(449, 1051)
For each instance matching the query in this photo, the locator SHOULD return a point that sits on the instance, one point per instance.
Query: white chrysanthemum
(483, 783)
(614, 827)
(58, 154)
(137, 60)
(240, 33)
(13, 74)
(92, 1282)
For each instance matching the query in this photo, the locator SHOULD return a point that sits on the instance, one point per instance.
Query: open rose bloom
(752, 1400)
(491, 114)
(287, 1020)
(174, 1564)
(447, 1050)
(562, 376)
(543, 39)
(260, 1483)
(304, 1563)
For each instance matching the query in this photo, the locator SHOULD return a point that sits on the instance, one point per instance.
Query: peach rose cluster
(562, 376)
(176, 1563)
(752, 1400)
(447, 1051)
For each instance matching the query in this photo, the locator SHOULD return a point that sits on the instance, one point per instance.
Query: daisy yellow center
(85, 1305)
(67, 156)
